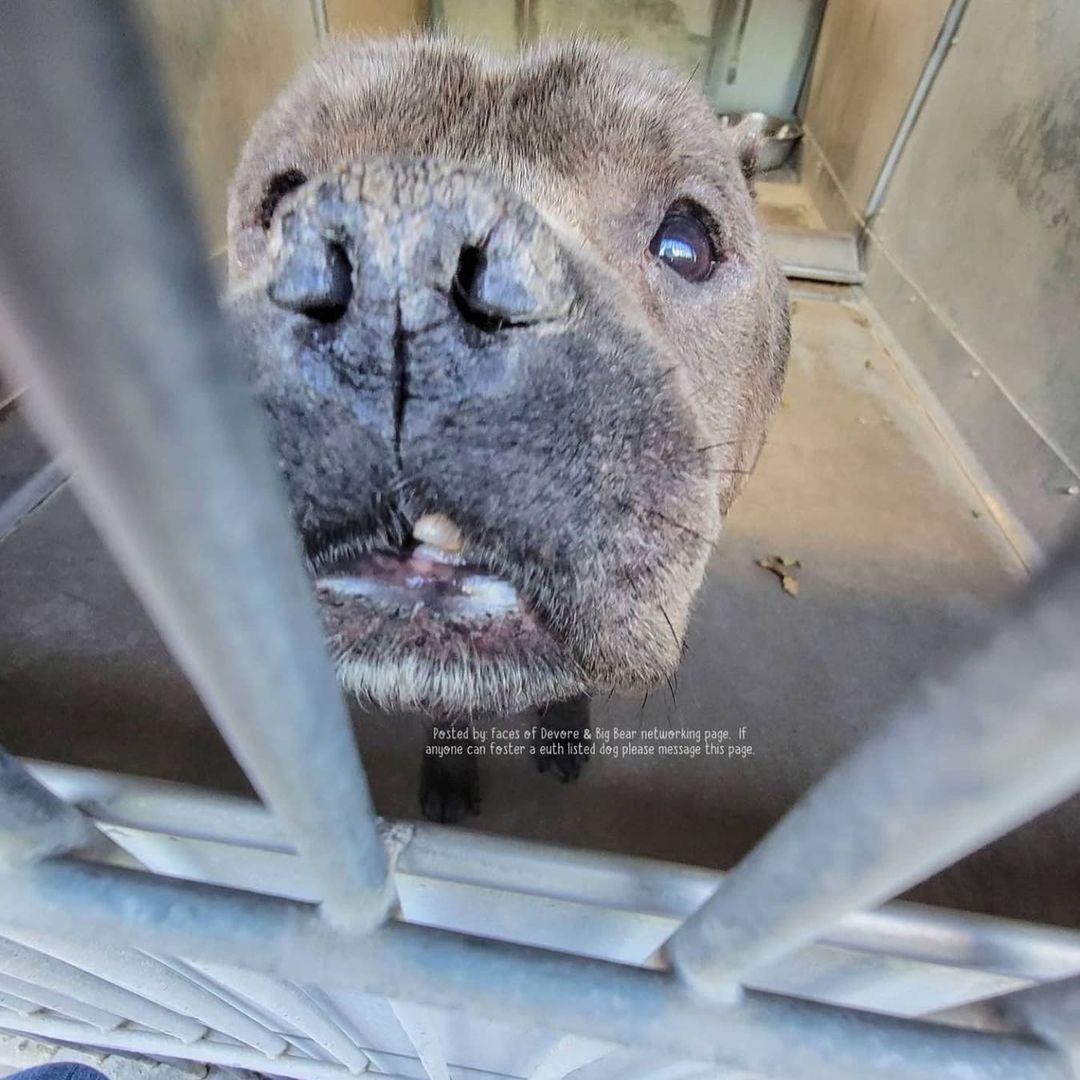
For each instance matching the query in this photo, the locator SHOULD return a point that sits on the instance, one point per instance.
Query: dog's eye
(278, 187)
(684, 243)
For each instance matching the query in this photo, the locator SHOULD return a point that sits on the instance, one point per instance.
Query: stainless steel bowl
(778, 136)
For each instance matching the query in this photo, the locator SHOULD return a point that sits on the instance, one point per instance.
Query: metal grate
(308, 939)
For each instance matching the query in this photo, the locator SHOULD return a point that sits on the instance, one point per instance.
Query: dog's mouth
(419, 618)
(426, 574)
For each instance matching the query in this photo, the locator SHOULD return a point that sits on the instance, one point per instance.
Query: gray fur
(589, 454)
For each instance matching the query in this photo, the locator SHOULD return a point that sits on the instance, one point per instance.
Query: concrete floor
(784, 203)
(900, 560)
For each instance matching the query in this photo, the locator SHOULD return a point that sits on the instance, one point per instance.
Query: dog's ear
(746, 138)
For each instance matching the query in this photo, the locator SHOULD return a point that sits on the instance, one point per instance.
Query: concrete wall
(223, 63)
(975, 265)
(499, 24)
(761, 68)
(869, 56)
(376, 18)
(677, 30)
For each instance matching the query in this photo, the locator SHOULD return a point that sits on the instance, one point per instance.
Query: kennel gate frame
(165, 453)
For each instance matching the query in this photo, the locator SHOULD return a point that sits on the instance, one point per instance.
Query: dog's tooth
(438, 531)
(490, 593)
(437, 555)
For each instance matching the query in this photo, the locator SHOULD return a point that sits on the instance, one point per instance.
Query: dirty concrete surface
(900, 558)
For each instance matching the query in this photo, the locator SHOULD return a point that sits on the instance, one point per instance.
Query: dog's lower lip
(423, 577)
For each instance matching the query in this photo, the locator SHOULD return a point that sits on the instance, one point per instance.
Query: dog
(517, 336)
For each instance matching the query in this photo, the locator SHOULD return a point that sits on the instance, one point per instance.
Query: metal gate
(305, 938)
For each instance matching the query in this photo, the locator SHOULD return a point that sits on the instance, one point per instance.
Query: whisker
(676, 524)
(674, 636)
(671, 688)
(715, 446)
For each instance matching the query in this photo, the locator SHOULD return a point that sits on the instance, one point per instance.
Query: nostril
(331, 305)
(470, 266)
(516, 278)
(317, 284)
(465, 290)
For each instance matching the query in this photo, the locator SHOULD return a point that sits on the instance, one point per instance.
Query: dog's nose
(436, 242)
(315, 280)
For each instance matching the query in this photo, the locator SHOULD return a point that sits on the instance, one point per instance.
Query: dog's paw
(564, 759)
(449, 788)
(561, 739)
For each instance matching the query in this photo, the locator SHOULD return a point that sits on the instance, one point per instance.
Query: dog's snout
(434, 242)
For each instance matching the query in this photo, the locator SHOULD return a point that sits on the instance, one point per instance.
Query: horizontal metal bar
(159, 1046)
(35, 823)
(61, 1003)
(14, 1003)
(963, 939)
(162, 805)
(599, 904)
(40, 969)
(153, 981)
(526, 912)
(257, 1023)
(109, 314)
(293, 1007)
(17, 505)
(8, 393)
(901, 929)
(1050, 1012)
(626, 1005)
(970, 755)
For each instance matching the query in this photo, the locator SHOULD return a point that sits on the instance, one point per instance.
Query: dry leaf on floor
(782, 567)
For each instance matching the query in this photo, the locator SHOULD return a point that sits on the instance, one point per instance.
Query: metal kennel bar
(622, 1004)
(173, 467)
(106, 306)
(33, 821)
(228, 840)
(41, 997)
(211, 1053)
(963, 760)
(41, 969)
